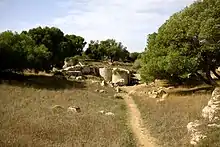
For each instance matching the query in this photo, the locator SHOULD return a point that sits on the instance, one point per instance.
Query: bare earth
(142, 134)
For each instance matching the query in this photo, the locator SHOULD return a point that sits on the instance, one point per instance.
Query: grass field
(167, 121)
(27, 117)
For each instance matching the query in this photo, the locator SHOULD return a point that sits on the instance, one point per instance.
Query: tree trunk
(202, 78)
(208, 75)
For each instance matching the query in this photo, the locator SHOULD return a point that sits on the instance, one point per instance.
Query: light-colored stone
(103, 83)
(160, 100)
(171, 87)
(73, 109)
(102, 111)
(79, 78)
(102, 91)
(109, 114)
(216, 92)
(106, 73)
(120, 76)
(117, 89)
(164, 96)
(195, 133)
(196, 138)
(214, 125)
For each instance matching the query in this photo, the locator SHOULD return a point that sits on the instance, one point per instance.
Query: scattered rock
(79, 78)
(102, 111)
(118, 96)
(102, 91)
(95, 81)
(117, 89)
(109, 114)
(72, 77)
(103, 83)
(171, 87)
(196, 134)
(73, 109)
(214, 125)
(161, 100)
(164, 96)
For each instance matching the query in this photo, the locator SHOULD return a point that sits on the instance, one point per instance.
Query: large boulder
(120, 76)
(106, 73)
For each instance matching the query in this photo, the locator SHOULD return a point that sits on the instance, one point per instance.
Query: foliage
(107, 49)
(59, 45)
(137, 64)
(186, 43)
(39, 48)
(134, 56)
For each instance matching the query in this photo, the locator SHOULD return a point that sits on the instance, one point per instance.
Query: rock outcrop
(210, 115)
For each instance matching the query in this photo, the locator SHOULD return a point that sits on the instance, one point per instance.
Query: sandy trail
(142, 134)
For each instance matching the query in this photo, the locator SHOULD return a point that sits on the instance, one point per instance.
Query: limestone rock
(73, 109)
(103, 83)
(79, 78)
(102, 91)
(195, 133)
(117, 89)
(109, 114)
(106, 73)
(120, 76)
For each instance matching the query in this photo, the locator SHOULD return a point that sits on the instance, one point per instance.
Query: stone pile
(159, 94)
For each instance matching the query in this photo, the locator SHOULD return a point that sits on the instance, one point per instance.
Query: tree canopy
(187, 43)
(41, 48)
(107, 49)
(38, 48)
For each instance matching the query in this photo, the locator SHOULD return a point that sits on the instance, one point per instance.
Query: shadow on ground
(203, 89)
(39, 81)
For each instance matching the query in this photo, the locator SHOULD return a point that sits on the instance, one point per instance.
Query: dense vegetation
(39, 48)
(43, 48)
(186, 44)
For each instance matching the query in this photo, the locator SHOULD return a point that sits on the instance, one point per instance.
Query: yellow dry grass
(167, 120)
(28, 119)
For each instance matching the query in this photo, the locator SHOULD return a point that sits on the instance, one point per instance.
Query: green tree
(94, 51)
(59, 45)
(107, 49)
(187, 43)
(133, 56)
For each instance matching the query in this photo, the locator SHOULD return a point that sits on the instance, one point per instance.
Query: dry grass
(167, 120)
(27, 118)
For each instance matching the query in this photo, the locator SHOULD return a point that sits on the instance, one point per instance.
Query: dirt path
(143, 137)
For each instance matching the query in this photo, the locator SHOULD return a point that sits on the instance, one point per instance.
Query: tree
(133, 56)
(94, 51)
(19, 52)
(185, 44)
(37, 58)
(59, 45)
(107, 49)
